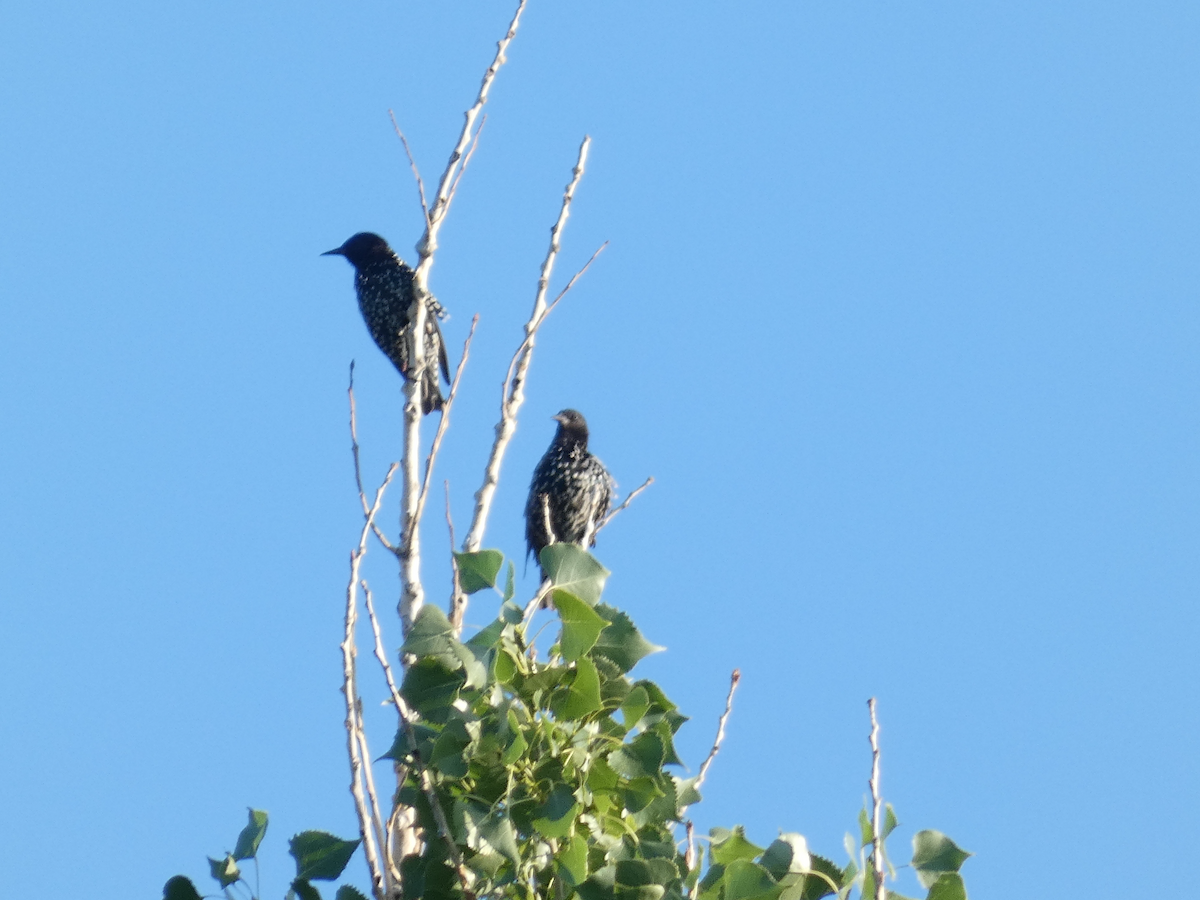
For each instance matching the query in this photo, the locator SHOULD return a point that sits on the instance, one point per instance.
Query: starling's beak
(336, 251)
(559, 419)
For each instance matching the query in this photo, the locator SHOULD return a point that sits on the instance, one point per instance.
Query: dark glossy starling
(574, 484)
(384, 284)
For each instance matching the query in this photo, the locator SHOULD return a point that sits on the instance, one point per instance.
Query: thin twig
(877, 807)
(458, 599)
(362, 497)
(466, 162)
(361, 784)
(437, 212)
(513, 390)
(413, 593)
(444, 419)
(612, 513)
(712, 754)
(412, 164)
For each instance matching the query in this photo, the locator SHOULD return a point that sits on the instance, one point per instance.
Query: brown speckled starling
(384, 284)
(576, 487)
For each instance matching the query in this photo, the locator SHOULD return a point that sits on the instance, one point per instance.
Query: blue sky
(900, 310)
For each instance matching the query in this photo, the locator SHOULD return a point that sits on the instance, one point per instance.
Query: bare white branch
(712, 754)
(513, 390)
(877, 859)
(362, 497)
(366, 802)
(437, 212)
(412, 596)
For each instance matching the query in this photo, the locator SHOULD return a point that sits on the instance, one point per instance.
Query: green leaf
(224, 870)
(572, 859)
(636, 705)
(510, 583)
(319, 855)
(251, 836)
(556, 816)
(816, 886)
(787, 855)
(581, 626)
(431, 635)
(866, 832)
(574, 569)
(305, 890)
(346, 892)
(431, 688)
(621, 642)
(180, 888)
(583, 697)
(949, 886)
(744, 879)
(934, 854)
(641, 757)
(498, 834)
(889, 822)
(487, 638)
(728, 846)
(477, 571)
(511, 613)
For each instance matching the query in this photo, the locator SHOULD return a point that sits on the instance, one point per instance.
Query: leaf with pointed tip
(180, 888)
(574, 569)
(620, 641)
(866, 832)
(225, 871)
(346, 892)
(572, 859)
(581, 626)
(745, 880)
(477, 571)
(251, 836)
(555, 817)
(583, 696)
(510, 583)
(728, 846)
(935, 854)
(319, 855)
(889, 823)
(825, 872)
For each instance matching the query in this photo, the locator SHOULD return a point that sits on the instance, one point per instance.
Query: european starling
(384, 284)
(573, 484)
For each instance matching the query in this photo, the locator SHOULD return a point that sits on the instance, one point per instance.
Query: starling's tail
(431, 392)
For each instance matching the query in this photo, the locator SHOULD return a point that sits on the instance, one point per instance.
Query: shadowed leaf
(319, 855)
(477, 571)
(180, 888)
(225, 871)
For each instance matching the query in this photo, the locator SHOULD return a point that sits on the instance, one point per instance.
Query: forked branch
(513, 390)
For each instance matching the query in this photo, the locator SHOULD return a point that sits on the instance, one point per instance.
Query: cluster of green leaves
(319, 856)
(556, 775)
